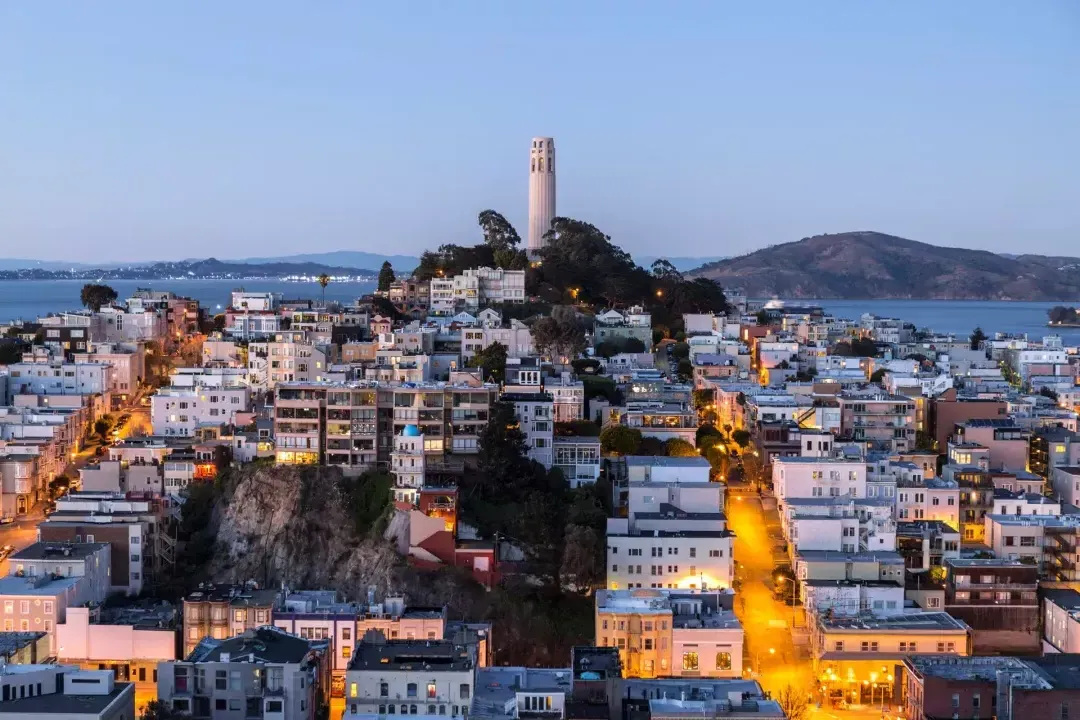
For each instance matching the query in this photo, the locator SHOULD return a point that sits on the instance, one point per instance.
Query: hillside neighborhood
(575, 489)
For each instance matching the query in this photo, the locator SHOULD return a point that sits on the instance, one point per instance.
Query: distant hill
(873, 265)
(682, 264)
(344, 258)
(208, 269)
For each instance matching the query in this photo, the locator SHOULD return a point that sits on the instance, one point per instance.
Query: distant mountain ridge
(873, 265)
(682, 264)
(338, 258)
(208, 269)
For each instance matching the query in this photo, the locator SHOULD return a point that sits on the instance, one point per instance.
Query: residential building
(949, 409)
(887, 421)
(1005, 688)
(613, 326)
(674, 536)
(812, 477)
(407, 463)
(134, 529)
(661, 633)
(1061, 620)
(1051, 448)
(341, 423)
(578, 458)
(131, 641)
(321, 615)
(1065, 481)
(221, 612)
(414, 676)
(42, 692)
(263, 672)
(182, 411)
(534, 411)
(58, 377)
(926, 544)
(569, 397)
(1006, 441)
(997, 599)
(849, 651)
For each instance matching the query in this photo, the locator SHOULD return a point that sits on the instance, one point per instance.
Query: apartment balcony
(998, 586)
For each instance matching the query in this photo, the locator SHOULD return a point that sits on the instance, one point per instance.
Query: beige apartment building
(353, 425)
(667, 633)
(225, 611)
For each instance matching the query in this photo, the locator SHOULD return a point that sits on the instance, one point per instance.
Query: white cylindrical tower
(541, 191)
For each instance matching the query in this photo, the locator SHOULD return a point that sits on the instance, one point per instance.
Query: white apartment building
(57, 377)
(674, 537)
(578, 458)
(476, 287)
(516, 338)
(117, 325)
(407, 464)
(569, 397)
(252, 324)
(839, 524)
(853, 598)
(181, 411)
(932, 499)
(441, 297)
(241, 300)
(425, 677)
(534, 411)
(1061, 621)
(127, 365)
(286, 358)
(810, 477)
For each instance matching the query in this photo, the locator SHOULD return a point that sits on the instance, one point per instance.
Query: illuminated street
(771, 653)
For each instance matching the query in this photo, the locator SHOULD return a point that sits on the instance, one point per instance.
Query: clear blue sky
(154, 130)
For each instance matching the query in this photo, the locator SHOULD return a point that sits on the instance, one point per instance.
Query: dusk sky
(152, 130)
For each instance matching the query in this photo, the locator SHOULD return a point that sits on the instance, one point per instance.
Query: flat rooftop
(925, 621)
(58, 551)
(65, 706)
(237, 595)
(502, 684)
(670, 462)
(972, 668)
(437, 655)
(17, 586)
(882, 556)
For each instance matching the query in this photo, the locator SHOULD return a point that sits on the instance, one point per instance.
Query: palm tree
(323, 281)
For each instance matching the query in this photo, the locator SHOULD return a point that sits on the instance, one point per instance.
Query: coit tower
(541, 191)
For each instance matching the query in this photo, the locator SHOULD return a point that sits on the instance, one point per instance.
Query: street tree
(741, 438)
(96, 296)
(795, 703)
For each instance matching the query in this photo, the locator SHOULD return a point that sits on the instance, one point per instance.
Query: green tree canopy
(559, 335)
(741, 438)
(386, 276)
(978, 337)
(492, 360)
(96, 296)
(677, 447)
(620, 440)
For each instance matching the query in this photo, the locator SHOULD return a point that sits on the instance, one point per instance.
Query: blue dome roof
(411, 431)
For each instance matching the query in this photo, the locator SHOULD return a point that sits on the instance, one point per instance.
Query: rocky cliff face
(292, 525)
(871, 265)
